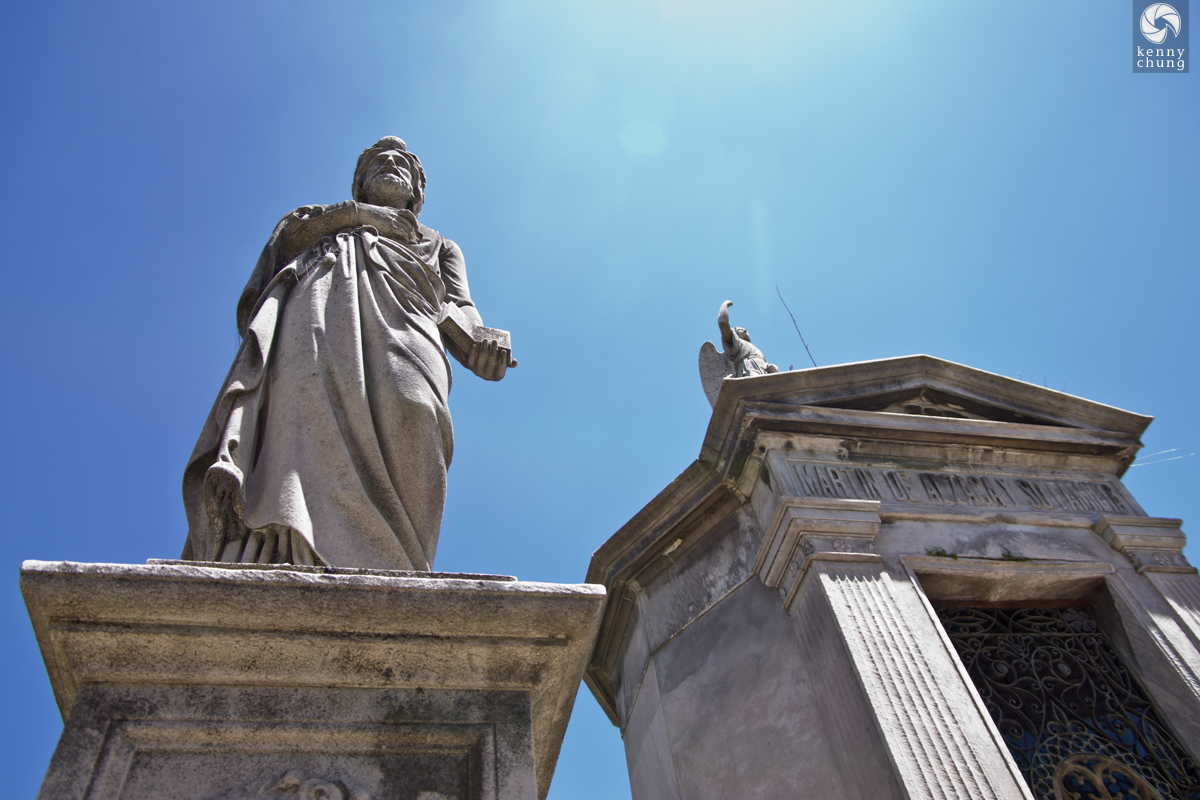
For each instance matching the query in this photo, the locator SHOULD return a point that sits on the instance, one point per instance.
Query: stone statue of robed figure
(330, 438)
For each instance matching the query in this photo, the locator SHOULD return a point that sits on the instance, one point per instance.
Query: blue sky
(985, 182)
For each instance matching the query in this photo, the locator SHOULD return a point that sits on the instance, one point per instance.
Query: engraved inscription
(977, 491)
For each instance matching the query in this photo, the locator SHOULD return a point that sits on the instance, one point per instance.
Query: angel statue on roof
(740, 358)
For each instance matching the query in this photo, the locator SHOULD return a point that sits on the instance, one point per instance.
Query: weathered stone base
(211, 683)
(242, 742)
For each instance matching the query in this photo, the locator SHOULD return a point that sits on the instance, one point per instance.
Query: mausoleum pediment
(922, 385)
(929, 402)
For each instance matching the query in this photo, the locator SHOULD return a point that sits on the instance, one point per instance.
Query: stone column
(1155, 548)
(1163, 624)
(818, 554)
(1182, 591)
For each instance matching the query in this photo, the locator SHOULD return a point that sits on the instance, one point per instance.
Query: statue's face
(387, 180)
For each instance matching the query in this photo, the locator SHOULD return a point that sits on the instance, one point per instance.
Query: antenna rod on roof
(793, 316)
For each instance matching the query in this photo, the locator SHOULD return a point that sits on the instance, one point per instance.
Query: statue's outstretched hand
(488, 360)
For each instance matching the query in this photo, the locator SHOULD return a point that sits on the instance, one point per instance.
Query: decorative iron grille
(1075, 720)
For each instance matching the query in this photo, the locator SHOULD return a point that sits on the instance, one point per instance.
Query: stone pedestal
(772, 628)
(207, 682)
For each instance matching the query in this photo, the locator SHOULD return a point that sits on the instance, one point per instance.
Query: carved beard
(386, 189)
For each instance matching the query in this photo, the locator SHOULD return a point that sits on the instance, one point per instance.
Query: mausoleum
(903, 578)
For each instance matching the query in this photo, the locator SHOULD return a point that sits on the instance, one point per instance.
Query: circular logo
(1160, 12)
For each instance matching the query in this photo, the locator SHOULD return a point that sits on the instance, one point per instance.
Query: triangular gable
(928, 386)
(930, 402)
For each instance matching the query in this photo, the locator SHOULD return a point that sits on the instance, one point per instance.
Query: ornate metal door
(1075, 720)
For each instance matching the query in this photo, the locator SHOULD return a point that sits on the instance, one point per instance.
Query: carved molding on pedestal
(806, 528)
(295, 787)
(1152, 544)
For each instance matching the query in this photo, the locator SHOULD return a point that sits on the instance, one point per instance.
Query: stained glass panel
(1075, 720)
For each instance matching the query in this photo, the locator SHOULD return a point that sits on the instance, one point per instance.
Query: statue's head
(742, 333)
(388, 175)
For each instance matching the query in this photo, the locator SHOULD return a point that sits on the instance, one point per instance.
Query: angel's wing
(714, 368)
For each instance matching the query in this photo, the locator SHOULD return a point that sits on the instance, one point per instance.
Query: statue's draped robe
(330, 438)
(744, 358)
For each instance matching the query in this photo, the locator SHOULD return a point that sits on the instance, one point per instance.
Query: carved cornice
(1152, 544)
(826, 401)
(804, 529)
(847, 386)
